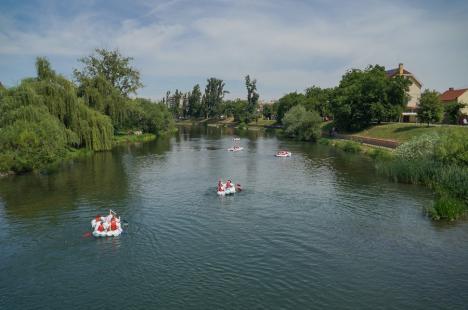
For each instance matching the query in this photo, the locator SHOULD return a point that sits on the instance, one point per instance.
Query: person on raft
(107, 223)
(228, 184)
(220, 186)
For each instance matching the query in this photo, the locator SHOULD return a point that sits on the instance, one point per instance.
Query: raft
(235, 149)
(106, 222)
(283, 154)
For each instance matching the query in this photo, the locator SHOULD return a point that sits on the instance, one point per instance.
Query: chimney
(450, 88)
(400, 68)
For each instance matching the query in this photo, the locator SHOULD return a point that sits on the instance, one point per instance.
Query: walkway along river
(317, 230)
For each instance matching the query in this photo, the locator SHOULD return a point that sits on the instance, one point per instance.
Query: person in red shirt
(113, 225)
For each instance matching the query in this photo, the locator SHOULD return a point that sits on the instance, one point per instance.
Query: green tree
(318, 99)
(430, 108)
(238, 109)
(252, 96)
(367, 96)
(302, 124)
(114, 67)
(194, 102)
(214, 94)
(153, 117)
(453, 112)
(285, 103)
(267, 111)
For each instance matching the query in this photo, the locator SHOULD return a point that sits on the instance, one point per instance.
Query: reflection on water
(317, 230)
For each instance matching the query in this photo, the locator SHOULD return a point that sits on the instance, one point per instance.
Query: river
(317, 230)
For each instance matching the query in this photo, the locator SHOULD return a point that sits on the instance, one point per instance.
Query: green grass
(403, 132)
(356, 147)
(262, 122)
(118, 139)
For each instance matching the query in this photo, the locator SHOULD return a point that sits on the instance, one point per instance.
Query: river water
(317, 230)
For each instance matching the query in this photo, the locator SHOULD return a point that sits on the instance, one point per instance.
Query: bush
(439, 162)
(447, 207)
(350, 147)
(302, 124)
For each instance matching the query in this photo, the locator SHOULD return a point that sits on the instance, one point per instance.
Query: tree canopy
(113, 67)
(252, 96)
(302, 124)
(213, 97)
(366, 96)
(430, 109)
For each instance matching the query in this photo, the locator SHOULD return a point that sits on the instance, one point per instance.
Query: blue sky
(286, 45)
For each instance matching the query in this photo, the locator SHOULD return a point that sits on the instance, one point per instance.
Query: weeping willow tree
(43, 118)
(100, 95)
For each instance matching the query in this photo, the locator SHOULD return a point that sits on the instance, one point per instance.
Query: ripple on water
(313, 231)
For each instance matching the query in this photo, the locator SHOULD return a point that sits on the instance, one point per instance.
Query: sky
(286, 45)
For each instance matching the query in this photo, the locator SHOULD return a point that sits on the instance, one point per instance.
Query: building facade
(414, 92)
(456, 95)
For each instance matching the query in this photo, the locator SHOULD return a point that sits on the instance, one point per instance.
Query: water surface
(317, 230)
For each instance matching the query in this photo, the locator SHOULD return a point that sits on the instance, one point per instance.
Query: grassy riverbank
(230, 122)
(434, 156)
(120, 139)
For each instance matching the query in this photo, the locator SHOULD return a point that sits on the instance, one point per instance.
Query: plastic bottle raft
(106, 226)
(283, 154)
(228, 188)
(236, 147)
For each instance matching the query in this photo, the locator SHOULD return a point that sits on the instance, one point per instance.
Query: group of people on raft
(106, 225)
(228, 187)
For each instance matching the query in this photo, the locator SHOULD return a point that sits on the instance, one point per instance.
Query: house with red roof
(414, 92)
(456, 95)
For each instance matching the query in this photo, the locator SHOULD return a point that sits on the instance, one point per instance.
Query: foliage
(302, 124)
(115, 69)
(252, 97)
(152, 117)
(42, 118)
(213, 97)
(417, 149)
(99, 94)
(447, 207)
(267, 111)
(366, 96)
(285, 103)
(442, 165)
(453, 112)
(238, 109)
(194, 102)
(430, 109)
(45, 118)
(319, 99)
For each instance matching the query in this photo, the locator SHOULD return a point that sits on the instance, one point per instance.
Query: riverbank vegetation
(439, 161)
(47, 119)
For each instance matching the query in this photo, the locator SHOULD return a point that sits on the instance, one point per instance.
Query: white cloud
(286, 48)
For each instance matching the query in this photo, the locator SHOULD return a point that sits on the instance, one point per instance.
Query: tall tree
(318, 99)
(453, 112)
(430, 109)
(366, 96)
(252, 95)
(214, 94)
(287, 102)
(114, 67)
(194, 102)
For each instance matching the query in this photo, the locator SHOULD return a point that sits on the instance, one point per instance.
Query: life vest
(113, 225)
(228, 184)
(100, 228)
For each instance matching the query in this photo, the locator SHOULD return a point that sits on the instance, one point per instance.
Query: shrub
(439, 162)
(302, 124)
(447, 207)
